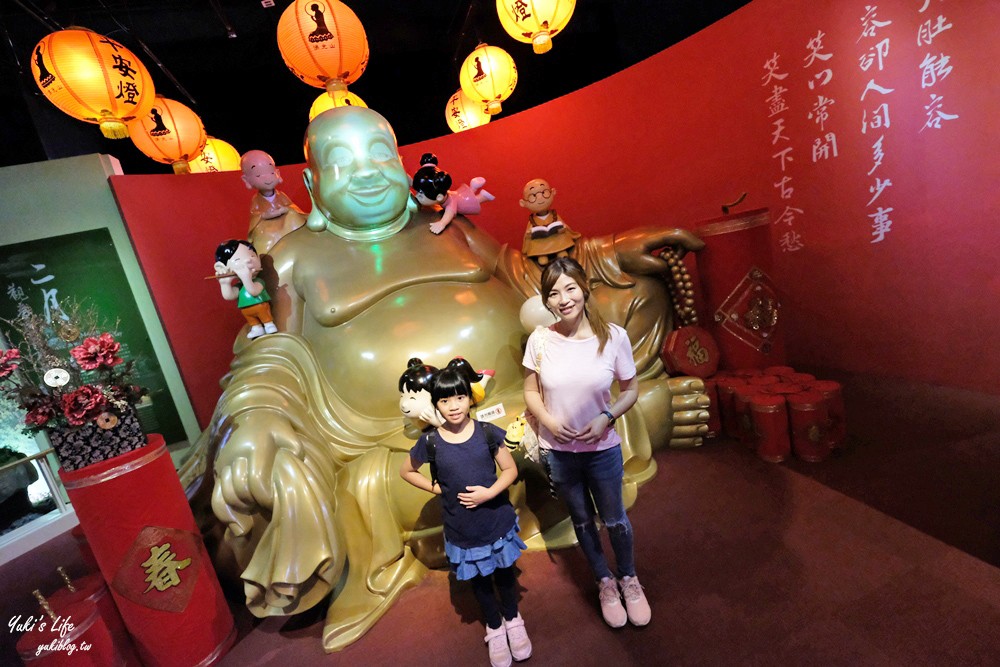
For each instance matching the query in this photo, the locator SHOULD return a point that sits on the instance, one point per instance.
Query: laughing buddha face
(355, 176)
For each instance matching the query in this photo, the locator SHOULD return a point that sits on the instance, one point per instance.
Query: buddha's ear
(307, 178)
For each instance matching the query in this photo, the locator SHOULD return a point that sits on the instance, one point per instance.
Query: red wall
(671, 139)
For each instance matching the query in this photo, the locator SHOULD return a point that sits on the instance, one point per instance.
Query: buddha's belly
(363, 358)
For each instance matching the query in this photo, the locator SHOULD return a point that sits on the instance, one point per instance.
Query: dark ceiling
(220, 57)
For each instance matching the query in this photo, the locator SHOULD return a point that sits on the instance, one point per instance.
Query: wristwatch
(611, 417)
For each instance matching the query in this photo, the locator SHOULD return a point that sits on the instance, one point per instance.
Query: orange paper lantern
(535, 21)
(323, 43)
(92, 78)
(334, 98)
(488, 75)
(217, 155)
(464, 114)
(170, 133)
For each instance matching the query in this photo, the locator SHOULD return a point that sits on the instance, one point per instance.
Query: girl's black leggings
(506, 587)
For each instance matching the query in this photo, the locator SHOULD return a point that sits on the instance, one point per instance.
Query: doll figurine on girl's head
(478, 380)
(415, 398)
(430, 185)
(236, 261)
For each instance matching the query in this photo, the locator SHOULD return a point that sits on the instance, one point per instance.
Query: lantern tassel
(112, 128)
(541, 42)
(181, 167)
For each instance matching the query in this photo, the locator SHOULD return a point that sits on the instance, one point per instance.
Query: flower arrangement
(87, 390)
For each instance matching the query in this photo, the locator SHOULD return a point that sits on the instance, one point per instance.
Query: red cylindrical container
(741, 408)
(834, 398)
(742, 301)
(763, 380)
(714, 419)
(782, 388)
(730, 420)
(781, 371)
(807, 414)
(151, 554)
(92, 587)
(770, 423)
(801, 378)
(77, 638)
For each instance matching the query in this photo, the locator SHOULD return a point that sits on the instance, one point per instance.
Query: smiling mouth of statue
(371, 195)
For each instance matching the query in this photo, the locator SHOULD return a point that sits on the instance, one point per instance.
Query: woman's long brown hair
(570, 267)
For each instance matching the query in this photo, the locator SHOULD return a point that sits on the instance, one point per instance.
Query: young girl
(430, 185)
(569, 370)
(480, 527)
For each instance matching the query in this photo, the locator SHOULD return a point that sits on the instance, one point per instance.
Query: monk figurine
(270, 207)
(308, 435)
(547, 236)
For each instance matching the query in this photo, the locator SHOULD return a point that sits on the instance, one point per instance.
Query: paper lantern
(217, 155)
(535, 21)
(170, 133)
(335, 98)
(92, 78)
(489, 76)
(464, 114)
(323, 43)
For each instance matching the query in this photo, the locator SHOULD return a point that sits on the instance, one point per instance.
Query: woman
(570, 367)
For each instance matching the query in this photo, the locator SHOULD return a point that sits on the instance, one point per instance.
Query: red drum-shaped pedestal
(743, 304)
(780, 371)
(770, 423)
(730, 420)
(807, 413)
(140, 527)
(801, 378)
(714, 418)
(85, 551)
(92, 587)
(77, 638)
(834, 398)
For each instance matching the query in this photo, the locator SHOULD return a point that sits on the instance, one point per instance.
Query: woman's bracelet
(611, 417)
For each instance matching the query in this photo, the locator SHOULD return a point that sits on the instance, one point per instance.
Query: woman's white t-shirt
(576, 382)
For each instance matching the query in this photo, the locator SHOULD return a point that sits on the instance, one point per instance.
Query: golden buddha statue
(307, 438)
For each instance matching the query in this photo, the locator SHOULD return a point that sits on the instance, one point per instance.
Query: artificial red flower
(8, 361)
(83, 405)
(40, 414)
(97, 352)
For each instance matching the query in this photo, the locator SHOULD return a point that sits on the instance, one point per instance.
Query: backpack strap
(431, 446)
(491, 440)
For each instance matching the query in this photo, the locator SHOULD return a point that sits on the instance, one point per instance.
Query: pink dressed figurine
(430, 185)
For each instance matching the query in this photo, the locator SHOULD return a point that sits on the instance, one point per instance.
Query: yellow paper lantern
(217, 155)
(489, 76)
(323, 43)
(535, 21)
(334, 98)
(92, 78)
(464, 114)
(170, 133)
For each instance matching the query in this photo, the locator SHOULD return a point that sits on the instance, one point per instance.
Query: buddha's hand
(635, 247)
(690, 411)
(244, 479)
